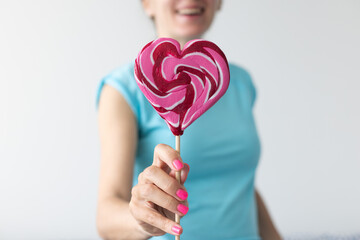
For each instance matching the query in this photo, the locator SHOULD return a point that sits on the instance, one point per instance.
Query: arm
(266, 227)
(118, 137)
(145, 210)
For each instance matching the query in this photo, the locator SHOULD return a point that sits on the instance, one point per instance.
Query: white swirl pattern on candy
(181, 85)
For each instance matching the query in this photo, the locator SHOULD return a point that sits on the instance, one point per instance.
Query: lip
(190, 10)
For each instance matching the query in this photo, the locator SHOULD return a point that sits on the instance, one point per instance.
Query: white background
(304, 59)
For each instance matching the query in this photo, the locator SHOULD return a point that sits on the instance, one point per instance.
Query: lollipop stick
(177, 175)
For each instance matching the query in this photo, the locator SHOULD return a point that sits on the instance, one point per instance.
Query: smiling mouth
(190, 11)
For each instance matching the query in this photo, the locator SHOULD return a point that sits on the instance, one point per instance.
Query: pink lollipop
(181, 84)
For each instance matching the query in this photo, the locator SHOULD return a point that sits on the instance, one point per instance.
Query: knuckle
(141, 177)
(134, 190)
(133, 210)
(171, 186)
(147, 190)
(150, 217)
(159, 147)
(150, 171)
(167, 149)
(131, 207)
(169, 203)
(168, 186)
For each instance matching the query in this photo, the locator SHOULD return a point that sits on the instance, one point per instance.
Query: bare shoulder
(118, 140)
(112, 103)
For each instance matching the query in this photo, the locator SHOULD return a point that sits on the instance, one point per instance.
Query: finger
(184, 173)
(164, 155)
(153, 194)
(153, 218)
(156, 176)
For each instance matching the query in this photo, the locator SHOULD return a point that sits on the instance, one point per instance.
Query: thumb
(184, 173)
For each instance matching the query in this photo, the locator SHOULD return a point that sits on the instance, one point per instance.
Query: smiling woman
(304, 56)
(138, 196)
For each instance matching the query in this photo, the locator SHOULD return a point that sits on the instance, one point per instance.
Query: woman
(138, 196)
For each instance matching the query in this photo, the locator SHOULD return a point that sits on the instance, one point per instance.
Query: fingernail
(182, 194)
(182, 208)
(177, 164)
(176, 229)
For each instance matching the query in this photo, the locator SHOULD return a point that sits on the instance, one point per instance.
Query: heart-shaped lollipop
(181, 84)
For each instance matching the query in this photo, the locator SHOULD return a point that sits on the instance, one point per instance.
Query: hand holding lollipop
(181, 84)
(158, 195)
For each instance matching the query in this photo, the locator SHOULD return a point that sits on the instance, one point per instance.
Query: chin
(190, 33)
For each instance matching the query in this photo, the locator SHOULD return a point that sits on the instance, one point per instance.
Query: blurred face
(182, 20)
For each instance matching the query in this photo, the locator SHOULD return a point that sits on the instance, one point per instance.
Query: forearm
(267, 228)
(115, 222)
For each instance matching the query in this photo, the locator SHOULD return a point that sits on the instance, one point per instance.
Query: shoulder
(122, 79)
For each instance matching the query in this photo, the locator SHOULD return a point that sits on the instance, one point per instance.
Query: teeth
(190, 11)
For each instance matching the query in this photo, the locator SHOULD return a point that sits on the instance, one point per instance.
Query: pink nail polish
(182, 208)
(177, 164)
(182, 194)
(176, 229)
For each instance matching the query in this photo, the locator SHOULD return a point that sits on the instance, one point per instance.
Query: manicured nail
(182, 208)
(182, 194)
(177, 164)
(176, 229)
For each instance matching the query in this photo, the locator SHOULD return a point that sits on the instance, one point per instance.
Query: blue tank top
(222, 148)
